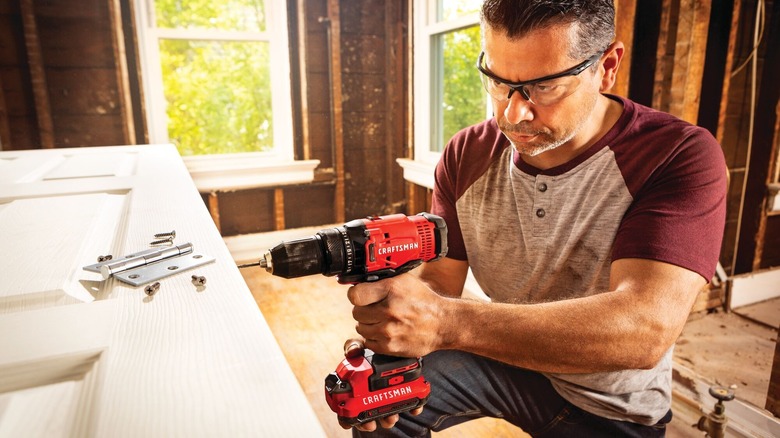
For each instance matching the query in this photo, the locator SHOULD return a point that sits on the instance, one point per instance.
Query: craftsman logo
(387, 395)
(387, 250)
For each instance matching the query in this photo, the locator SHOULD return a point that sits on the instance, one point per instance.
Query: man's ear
(611, 62)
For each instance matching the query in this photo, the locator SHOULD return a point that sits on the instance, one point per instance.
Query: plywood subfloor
(311, 318)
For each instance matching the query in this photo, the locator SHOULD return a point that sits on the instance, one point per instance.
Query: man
(590, 221)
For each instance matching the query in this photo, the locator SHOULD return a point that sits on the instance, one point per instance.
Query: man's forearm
(574, 336)
(631, 327)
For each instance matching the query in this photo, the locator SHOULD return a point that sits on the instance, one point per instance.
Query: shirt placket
(542, 207)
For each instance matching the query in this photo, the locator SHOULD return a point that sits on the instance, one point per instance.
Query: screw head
(199, 280)
(152, 289)
(104, 258)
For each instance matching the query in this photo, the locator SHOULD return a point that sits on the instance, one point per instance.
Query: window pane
(240, 15)
(218, 95)
(463, 100)
(451, 9)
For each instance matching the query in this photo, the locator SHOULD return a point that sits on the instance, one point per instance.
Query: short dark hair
(516, 18)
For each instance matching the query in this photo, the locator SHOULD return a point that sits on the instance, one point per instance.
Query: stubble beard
(546, 139)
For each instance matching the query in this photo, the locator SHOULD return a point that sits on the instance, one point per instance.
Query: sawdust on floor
(731, 349)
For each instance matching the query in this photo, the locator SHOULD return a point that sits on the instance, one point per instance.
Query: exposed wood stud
(689, 54)
(625, 14)
(337, 107)
(37, 74)
(214, 209)
(5, 130)
(390, 97)
(303, 80)
(665, 51)
(279, 209)
(122, 75)
(411, 207)
(724, 99)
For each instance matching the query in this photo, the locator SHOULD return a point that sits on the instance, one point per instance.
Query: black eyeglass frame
(520, 86)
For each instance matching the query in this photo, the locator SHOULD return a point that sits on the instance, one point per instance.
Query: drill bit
(262, 263)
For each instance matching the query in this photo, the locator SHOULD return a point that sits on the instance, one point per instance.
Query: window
(216, 78)
(448, 94)
(216, 75)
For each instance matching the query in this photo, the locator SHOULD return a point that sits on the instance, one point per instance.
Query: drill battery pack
(372, 386)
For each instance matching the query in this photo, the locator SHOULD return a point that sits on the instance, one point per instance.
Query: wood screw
(152, 288)
(166, 241)
(199, 280)
(171, 234)
(104, 258)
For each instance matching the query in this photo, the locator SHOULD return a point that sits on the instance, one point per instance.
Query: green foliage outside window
(219, 96)
(464, 100)
(218, 93)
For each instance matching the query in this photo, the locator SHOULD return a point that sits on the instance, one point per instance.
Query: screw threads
(166, 241)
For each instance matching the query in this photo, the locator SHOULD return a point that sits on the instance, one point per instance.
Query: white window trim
(246, 170)
(229, 171)
(420, 169)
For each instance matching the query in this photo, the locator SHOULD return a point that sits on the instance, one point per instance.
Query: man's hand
(354, 348)
(400, 316)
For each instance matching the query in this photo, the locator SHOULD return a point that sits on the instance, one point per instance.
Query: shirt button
(540, 212)
(542, 187)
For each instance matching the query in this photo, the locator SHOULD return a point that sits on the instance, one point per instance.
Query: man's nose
(518, 109)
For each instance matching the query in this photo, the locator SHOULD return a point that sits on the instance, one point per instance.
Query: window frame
(428, 87)
(219, 171)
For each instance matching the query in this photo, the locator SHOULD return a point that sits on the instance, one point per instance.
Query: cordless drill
(370, 386)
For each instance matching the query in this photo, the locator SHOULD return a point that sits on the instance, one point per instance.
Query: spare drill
(370, 386)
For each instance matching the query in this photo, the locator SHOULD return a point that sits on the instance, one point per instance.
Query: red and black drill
(370, 386)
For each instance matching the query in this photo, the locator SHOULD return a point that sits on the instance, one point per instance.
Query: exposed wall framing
(679, 58)
(625, 17)
(64, 74)
(336, 105)
(37, 75)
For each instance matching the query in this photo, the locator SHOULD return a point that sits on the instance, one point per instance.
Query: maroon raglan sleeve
(678, 178)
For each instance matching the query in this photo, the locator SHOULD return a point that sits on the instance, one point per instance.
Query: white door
(84, 356)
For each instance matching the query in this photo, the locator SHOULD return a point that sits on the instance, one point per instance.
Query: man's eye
(545, 88)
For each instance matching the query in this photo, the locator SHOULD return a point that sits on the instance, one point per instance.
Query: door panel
(101, 358)
(48, 239)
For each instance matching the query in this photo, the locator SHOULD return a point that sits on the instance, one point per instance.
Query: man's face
(537, 127)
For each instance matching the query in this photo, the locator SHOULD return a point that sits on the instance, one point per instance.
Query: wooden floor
(311, 319)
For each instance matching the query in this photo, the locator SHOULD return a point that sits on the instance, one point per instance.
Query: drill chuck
(322, 253)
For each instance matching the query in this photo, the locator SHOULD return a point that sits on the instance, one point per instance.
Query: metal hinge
(151, 265)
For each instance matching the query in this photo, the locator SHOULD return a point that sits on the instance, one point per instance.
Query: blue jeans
(465, 387)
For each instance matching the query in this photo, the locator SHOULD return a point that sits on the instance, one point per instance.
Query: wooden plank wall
(60, 75)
